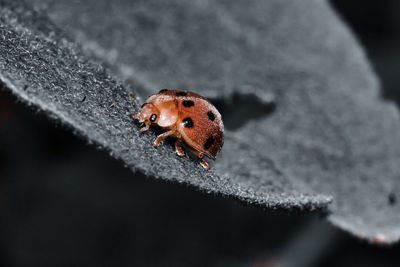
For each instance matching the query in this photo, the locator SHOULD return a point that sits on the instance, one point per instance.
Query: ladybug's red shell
(197, 121)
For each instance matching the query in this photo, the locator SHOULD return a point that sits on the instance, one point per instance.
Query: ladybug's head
(148, 114)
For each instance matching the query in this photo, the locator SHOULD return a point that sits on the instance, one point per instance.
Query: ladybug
(188, 117)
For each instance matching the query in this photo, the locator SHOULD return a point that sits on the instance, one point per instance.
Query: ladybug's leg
(145, 128)
(204, 164)
(146, 125)
(199, 154)
(162, 137)
(135, 116)
(178, 148)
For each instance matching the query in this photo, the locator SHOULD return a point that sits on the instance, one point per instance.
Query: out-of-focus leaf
(329, 134)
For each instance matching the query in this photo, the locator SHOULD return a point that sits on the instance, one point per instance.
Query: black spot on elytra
(210, 115)
(187, 122)
(144, 104)
(180, 94)
(163, 90)
(188, 103)
(209, 142)
(239, 109)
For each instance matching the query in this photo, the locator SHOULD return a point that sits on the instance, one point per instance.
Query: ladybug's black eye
(153, 117)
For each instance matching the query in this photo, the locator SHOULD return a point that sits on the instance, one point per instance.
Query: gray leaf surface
(330, 140)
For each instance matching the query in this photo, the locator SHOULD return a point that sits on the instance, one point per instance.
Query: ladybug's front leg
(162, 137)
(135, 116)
(145, 128)
(178, 148)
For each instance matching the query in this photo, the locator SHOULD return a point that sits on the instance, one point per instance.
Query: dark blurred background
(63, 201)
